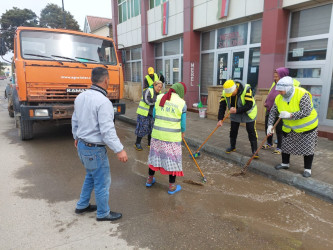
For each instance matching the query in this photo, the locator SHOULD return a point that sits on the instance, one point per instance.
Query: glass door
(175, 70)
(172, 70)
(230, 65)
(167, 66)
(222, 68)
(238, 65)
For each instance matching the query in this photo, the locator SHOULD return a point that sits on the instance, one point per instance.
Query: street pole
(63, 13)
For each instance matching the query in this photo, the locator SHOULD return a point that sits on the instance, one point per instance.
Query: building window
(168, 58)
(136, 71)
(122, 10)
(128, 55)
(208, 40)
(128, 9)
(305, 73)
(158, 65)
(232, 36)
(303, 24)
(329, 114)
(307, 58)
(256, 28)
(171, 47)
(181, 45)
(253, 69)
(133, 72)
(158, 50)
(136, 54)
(314, 21)
(230, 52)
(127, 73)
(316, 92)
(307, 50)
(154, 3)
(136, 8)
(207, 72)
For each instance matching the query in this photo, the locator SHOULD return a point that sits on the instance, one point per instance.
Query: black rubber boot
(254, 147)
(232, 147)
(138, 147)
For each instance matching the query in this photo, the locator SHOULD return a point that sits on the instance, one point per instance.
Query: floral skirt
(144, 125)
(166, 157)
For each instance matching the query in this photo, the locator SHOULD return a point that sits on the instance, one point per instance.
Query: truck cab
(51, 67)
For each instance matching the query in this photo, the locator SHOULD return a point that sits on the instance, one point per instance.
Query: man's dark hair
(98, 75)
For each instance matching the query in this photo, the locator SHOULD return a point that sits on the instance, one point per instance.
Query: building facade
(98, 26)
(205, 42)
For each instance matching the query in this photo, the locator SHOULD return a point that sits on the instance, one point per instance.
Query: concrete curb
(310, 185)
(125, 118)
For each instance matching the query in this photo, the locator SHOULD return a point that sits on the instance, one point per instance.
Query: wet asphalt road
(42, 178)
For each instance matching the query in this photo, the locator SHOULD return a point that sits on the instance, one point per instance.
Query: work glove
(270, 130)
(285, 115)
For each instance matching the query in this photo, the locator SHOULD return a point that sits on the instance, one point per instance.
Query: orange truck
(51, 67)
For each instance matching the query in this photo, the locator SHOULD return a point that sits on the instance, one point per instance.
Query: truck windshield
(66, 47)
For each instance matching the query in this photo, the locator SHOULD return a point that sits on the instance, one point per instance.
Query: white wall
(129, 32)
(205, 12)
(104, 31)
(176, 20)
(290, 3)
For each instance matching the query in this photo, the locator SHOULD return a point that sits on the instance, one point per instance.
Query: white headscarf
(286, 84)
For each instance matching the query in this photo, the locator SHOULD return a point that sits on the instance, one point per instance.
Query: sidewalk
(198, 129)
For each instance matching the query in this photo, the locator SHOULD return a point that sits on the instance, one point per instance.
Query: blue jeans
(98, 177)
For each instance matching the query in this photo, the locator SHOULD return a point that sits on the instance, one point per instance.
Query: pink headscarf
(282, 72)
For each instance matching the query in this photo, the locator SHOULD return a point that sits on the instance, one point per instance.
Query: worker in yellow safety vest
(243, 109)
(145, 120)
(300, 123)
(150, 78)
(170, 123)
(272, 93)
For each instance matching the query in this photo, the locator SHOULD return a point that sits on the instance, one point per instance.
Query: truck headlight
(41, 112)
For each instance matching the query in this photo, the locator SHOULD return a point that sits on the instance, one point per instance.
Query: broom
(204, 180)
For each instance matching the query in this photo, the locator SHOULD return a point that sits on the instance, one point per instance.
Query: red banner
(224, 7)
(165, 16)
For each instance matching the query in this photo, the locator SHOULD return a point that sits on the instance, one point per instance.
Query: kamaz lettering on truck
(53, 66)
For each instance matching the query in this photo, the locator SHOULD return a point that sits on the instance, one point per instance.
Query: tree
(14, 18)
(52, 17)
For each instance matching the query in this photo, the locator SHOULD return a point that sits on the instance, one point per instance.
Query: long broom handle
(193, 158)
(211, 134)
(262, 143)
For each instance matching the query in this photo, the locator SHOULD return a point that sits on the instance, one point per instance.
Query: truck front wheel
(25, 129)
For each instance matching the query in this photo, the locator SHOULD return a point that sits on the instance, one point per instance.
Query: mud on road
(42, 178)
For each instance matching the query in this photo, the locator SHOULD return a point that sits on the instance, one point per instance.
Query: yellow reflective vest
(167, 125)
(150, 81)
(143, 108)
(301, 125)
(252, 113)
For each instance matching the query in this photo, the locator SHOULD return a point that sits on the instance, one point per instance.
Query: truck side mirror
(3, 49)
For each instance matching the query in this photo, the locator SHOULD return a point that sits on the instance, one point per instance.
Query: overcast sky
(78, 8)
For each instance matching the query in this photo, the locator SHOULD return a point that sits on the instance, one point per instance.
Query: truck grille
(51, 95)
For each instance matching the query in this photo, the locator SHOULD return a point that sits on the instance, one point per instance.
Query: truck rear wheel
(10, 111)
(10, 106)
(25, 129)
